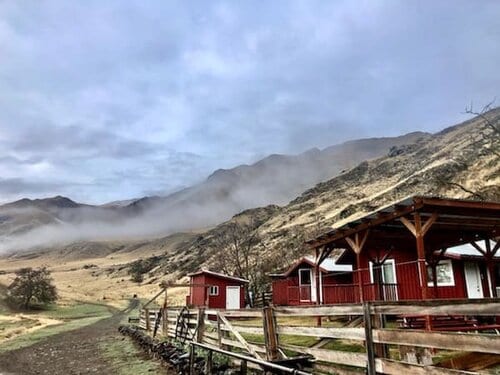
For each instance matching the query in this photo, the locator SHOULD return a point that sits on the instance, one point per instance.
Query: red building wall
(407, 277)
(285, 290)
(198, 291)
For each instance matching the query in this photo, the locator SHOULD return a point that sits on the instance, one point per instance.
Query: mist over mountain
(276, 179)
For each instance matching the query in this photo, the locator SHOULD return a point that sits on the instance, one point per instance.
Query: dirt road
(72, 352)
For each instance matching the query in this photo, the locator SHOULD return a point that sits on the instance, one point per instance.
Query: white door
(473, 280)
(232, 297)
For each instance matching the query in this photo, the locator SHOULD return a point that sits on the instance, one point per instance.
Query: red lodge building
(419, 248)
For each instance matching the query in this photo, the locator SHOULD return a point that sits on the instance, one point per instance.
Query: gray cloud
(105, 101)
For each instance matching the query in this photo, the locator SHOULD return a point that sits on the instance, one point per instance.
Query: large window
(444, 274)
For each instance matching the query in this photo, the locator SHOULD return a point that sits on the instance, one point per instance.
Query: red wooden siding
(337, 288)
(199, 290)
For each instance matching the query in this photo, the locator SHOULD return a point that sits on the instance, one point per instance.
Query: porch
(343, 293)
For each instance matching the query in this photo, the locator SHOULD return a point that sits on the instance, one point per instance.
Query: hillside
(458, 162)
(277, 179)
(461, 162)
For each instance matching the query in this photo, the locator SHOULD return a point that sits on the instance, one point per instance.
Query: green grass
(127, 359)
(77, 311)
(43, 333)
(72, 317)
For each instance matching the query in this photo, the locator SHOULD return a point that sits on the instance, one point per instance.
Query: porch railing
(380, 292)
(345, 293)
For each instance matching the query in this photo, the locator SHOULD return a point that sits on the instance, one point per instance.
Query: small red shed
(298, 284)
(216, 290)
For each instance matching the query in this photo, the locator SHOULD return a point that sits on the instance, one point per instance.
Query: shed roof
(218, 275)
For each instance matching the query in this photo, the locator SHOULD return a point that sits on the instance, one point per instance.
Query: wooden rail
(265, 334)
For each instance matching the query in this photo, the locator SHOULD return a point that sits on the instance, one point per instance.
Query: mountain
(459, 162)
(275, 179)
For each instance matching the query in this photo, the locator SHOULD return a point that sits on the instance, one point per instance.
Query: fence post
(370, 353)
(219, 332)
(148, 323)
(270, 333)
(209, 364)
(201, 325)
(191, 359)
(243, 367)
(165, 315)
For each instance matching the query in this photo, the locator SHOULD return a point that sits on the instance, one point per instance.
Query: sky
(109, 100)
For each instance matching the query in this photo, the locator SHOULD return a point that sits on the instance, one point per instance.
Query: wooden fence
(274, 333)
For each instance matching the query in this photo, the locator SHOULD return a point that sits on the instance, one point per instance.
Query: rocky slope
(458, 162)
(274, 180)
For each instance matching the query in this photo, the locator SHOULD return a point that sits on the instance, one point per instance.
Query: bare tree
(239, 252)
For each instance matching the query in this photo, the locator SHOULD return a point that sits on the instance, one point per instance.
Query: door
(473, 280)
(305, 284)
(232, 297)
(389, 281)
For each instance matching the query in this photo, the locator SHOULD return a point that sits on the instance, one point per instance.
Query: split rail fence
(274, 334)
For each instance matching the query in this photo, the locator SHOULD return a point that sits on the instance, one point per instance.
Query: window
(444, 274)
(213, 291)
(388, 272)
(304, 276)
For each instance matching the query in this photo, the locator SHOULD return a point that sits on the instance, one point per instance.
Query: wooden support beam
(370, 353)
(358, 242)
(479, 248)
(359, 274)
(429, 222)
(409, 225)
(238, 336)
(200, 326)
(270, 333)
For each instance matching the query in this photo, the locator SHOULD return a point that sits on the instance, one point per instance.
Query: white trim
(215, 290)
(387, 261)
(233, 287)
(311, 297)
(450, 283)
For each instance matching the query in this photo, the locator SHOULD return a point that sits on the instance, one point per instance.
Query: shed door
(232, 297)
(473, 280)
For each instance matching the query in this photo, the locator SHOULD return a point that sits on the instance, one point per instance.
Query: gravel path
(72, 352)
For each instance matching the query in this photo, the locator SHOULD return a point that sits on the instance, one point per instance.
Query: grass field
(127, 359)
(19, 330)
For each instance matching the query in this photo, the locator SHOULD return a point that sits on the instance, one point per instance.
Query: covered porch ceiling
(443, 222)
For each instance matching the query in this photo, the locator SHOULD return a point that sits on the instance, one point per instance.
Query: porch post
(359, 272)
(357, 245)
(422, 269)
(317, 276)
(418, 229)
(490, 265)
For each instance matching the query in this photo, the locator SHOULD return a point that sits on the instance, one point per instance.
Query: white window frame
(310, 276)
(213, 290)
(387, 261)
(450, 283)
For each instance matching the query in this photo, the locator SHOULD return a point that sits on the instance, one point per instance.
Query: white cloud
(92, 91)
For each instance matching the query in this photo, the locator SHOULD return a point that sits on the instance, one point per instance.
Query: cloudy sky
(104, 100)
